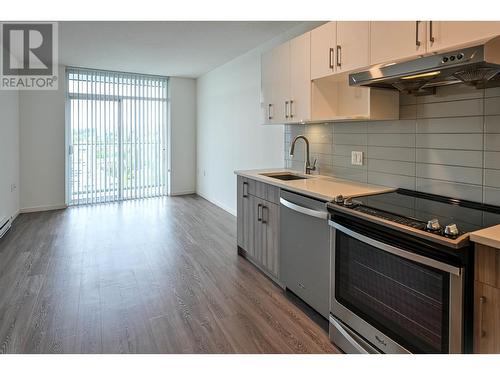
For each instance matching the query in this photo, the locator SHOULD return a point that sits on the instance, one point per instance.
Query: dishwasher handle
(304, 210)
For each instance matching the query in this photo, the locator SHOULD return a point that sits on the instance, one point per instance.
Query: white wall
(183, 135)
(9, 153)
(42, 140)
(229, 131)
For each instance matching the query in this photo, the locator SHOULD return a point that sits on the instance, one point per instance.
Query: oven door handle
(397, 251)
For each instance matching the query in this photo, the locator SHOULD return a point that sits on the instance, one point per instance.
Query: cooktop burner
(436, 214)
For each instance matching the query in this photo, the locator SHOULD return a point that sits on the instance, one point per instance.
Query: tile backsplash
(447, 144)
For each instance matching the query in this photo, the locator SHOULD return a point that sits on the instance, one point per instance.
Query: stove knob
(433, 225)
(348, 202)
(339, 199)
(451, 230)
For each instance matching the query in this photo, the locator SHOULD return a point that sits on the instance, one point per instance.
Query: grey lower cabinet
(258, 224)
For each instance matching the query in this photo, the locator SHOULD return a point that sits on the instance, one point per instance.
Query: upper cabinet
(306, 78)
(339, 47)
(275, 83)
(266, 85)
(396, 40)
(446, 34)
(300, 79)
(286, 82)
(323, 44)
(353, 45)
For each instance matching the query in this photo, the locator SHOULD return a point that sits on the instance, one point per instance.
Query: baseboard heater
(4, 226)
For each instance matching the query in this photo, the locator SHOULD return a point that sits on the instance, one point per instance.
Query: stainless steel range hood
(476, 65)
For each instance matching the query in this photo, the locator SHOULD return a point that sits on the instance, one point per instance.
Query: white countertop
(488, 236)
(326, 188)
(316, 186)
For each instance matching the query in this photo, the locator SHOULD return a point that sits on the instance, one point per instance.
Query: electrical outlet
(13, 188)
(357, 157)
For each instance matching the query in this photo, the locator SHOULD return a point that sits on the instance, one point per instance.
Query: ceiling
(185, 49)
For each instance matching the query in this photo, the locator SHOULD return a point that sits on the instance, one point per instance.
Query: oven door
(392, 299)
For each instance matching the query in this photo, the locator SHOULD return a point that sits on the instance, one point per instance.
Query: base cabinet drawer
(264, 191)
(486, 319)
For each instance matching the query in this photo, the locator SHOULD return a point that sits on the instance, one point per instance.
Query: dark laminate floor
(147, 276)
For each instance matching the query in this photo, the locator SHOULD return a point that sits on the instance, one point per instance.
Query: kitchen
(329, 228)
(317, 183)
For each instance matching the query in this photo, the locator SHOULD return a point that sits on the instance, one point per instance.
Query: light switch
(357, 157)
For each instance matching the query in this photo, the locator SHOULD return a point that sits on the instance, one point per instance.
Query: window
(117, 135)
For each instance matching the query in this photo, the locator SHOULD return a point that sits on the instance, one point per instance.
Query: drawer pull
(482, 301)
(264, 221)
(259, 212)
(245, 191)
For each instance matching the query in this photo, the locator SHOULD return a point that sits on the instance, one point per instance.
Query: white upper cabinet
(323, 44)
(300, 79)
(353, 45)
(396, 40)
(281, 86)
(266, 84)
(275, 84)
(306, 78)
(286, 82)
(338, 47)
(446, 34)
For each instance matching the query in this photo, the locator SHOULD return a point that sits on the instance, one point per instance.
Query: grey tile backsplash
(447, 144)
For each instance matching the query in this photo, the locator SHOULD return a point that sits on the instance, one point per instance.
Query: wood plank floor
(146, 276)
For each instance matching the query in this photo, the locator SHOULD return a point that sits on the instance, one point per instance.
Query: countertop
(488, 236)
(316, 186)
(326, 188)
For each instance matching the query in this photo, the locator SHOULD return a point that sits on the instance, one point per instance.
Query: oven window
(405, 300)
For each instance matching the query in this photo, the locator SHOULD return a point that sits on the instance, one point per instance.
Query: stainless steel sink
(284, 176)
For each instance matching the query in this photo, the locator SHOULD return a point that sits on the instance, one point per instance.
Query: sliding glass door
(117, 134)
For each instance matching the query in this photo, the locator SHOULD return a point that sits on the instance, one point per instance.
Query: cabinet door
(396, 40)
(245, 216)
(353, 45)
(486, 319)
(266, 237)
(323, 41)
(267, 71)
(281, 83)
(300, 78)
(447, 34)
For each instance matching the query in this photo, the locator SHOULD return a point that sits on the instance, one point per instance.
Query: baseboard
(42, 208)
(187, 192)
(218, 204)
(15, 215)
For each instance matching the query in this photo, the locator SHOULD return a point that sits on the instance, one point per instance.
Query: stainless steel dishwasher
(305, 249)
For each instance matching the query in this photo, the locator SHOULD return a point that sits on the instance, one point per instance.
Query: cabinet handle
(291, 108)
(259, 212)
(331, 58)
(264, 221)
(245, 192)
(417, 41)
(482, 301)
(269, 116)
(431, 33)
(339, 56)
(286, 109)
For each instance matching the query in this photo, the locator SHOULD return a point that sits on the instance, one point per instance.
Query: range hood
(476, 65)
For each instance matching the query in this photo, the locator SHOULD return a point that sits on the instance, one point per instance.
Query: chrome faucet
(307, 165)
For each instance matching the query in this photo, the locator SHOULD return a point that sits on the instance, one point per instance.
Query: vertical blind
(117, 135)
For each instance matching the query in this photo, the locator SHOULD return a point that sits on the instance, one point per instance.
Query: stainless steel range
(402, 272)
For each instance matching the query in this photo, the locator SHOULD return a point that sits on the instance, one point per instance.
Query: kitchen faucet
(307, 164)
